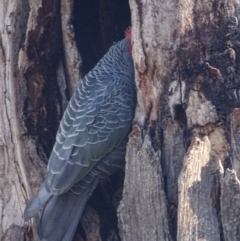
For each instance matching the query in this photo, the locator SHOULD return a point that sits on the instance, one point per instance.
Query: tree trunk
(182, 163)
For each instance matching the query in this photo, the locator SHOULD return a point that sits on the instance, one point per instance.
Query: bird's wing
(96, 121)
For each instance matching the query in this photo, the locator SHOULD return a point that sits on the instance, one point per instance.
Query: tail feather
(37, 203)
(62, 214)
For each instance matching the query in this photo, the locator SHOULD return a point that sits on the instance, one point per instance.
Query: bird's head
(128, 35)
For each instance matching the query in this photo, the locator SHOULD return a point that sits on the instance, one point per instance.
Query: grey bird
(90, 143)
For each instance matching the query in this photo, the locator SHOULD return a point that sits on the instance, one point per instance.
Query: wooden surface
(182, 163)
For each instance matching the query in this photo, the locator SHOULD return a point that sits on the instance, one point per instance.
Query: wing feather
(95, 122)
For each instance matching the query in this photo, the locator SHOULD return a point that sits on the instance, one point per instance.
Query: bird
(90, 143)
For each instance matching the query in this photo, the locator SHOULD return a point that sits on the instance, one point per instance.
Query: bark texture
(182, 163)
(196, 216)
(186, 60)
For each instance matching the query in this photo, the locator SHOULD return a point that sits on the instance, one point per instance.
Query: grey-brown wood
(186, 62)
(14, 179)
(235, 140)
(143, 172)
(72, 59)
(197, 219)
(230, 207)
(182, 162)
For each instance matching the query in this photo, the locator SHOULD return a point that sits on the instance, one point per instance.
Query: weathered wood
(143, 172)
(235, 140)
(72, 59)
(185, 58)
(197, 220)
(23, 81)
(187, 78)
(230, 206)
(173, 151)
(13, 178)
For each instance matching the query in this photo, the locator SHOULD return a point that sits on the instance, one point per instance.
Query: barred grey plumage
(90, 143)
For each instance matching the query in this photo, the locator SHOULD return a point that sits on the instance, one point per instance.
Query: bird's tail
(37, 203)
(62, 214)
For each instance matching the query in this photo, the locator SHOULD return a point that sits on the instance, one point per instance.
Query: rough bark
(197, 219)
(182, 162)
(147, 177)
(186, 60)
(39, 70)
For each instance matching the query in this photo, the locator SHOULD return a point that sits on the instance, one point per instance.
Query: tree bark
(182, 163)
(186, 60)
